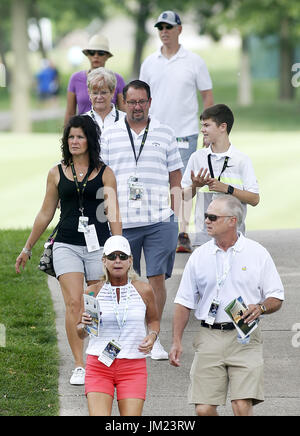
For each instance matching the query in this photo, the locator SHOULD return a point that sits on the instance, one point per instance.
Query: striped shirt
(131, 333)
(159, 157)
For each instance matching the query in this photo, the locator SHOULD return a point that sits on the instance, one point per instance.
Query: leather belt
(219, 326)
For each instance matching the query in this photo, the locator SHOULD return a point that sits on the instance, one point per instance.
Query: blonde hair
(132, 275)
(101, 77)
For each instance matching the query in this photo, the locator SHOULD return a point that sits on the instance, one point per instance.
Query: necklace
(81, 172)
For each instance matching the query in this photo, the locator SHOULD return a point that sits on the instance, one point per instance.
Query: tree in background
(215, 17)
(255, 17)
(20, 73)
(67, 15)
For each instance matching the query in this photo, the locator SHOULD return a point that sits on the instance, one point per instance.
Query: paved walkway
(167, 386)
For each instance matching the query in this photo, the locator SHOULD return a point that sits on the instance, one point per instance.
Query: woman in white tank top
(116, 353)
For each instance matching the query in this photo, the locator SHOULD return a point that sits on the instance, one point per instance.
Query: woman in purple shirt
(97, 52)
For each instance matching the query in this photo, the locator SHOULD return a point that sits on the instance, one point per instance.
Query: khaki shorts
(221, 362)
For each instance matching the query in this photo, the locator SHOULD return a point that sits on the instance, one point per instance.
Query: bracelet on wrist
(27, 251)
(153, 332)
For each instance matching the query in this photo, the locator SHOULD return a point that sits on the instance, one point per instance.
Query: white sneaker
(78, 376)
(158, 352)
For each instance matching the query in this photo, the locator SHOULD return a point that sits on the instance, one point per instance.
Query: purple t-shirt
(78, 86)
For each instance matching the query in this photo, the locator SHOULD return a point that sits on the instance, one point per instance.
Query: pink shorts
(128, 376)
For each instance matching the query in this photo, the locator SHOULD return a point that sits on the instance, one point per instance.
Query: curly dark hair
(92, 133)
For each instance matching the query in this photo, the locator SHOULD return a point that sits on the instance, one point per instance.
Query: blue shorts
(69, 258)
(159, 243)
(185, 153)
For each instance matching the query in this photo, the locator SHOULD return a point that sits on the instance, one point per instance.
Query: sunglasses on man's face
(213, 217)
(93, 52)
(113, 256)
(164, 26)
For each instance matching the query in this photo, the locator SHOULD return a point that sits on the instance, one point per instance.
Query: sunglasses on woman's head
(113, 256)
(93, 52)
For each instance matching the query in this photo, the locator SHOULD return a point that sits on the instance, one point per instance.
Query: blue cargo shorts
(159, 243)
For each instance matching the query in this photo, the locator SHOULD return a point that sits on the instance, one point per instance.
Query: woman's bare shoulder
(95, 288)
(143, 288)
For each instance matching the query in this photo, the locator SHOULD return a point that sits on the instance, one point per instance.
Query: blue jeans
(185, 153)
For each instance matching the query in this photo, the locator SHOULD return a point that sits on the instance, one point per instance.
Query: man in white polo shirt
(175, 76)
(225, 268)
(145, 159)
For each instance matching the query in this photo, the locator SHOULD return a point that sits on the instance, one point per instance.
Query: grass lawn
(29, 157)
(29, 362)
(275, 156)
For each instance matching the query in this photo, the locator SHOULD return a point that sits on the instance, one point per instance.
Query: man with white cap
(98, 52)
(175, 75)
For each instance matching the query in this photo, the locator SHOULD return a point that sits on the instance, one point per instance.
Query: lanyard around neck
(226, 268)
(143, 140)
(95, 121)
(211, 168)
(84, 183)
(113, 291)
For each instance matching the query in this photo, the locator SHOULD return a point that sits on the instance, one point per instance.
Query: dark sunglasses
(113, 256)
(164, 26)
(212, 217)
(93, 52)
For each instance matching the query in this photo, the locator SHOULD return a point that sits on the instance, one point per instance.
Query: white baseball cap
(168, 17)
(116, 243)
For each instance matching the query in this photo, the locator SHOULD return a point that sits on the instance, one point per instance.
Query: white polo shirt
(108, 120)
(174, 83)
(239, 173)
(159, 157)
(252, 275)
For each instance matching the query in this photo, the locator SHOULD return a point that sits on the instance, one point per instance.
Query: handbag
(46, 260)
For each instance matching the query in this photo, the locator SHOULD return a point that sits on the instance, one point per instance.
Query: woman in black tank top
(87, 192)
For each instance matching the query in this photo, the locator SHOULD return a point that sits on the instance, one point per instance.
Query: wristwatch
(230, 190)
(28, 252)
(262, 308)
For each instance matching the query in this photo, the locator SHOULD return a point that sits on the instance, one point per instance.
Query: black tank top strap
(102, 170)
(61, 172)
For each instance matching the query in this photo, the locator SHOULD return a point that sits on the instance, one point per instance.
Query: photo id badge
(110, 352)
(136, 191)
(182, 143)
(91, 238)
(210, 319)
(83, 223)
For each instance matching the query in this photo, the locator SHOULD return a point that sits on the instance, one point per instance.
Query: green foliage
(71, 14)
(29, 362)
(260, 17)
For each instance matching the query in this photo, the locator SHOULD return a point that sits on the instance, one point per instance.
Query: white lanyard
(226, 268)
(113, 290)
